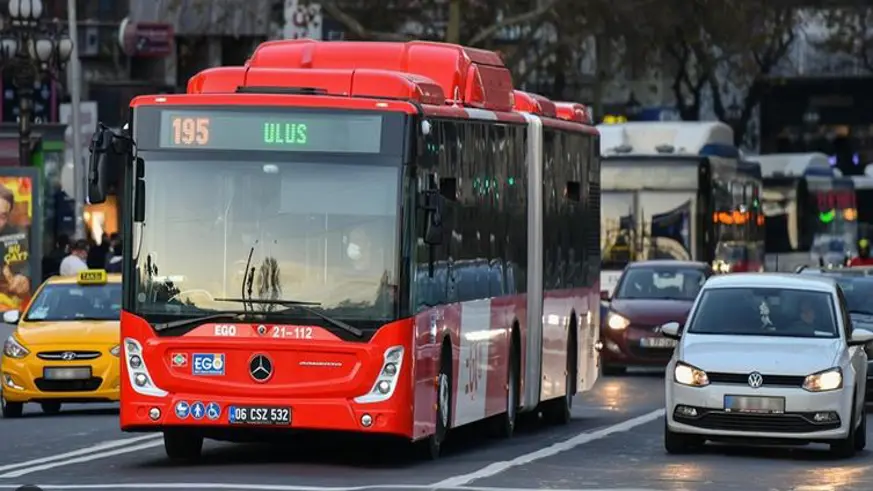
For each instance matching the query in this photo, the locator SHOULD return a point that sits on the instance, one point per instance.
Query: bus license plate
(658, 343)
(754, 404)
(259, 415)
(67, 373)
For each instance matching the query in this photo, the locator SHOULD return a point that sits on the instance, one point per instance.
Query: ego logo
(225, 330)
(15, 254)
(208, 364)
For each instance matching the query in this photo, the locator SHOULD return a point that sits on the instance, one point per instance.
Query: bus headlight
(140, 379)
(386, 382)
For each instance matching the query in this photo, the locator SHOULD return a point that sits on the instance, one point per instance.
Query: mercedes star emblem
(69, 355)
(755, 380)
(260, 368)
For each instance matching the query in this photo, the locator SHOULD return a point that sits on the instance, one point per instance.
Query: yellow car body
(71, 356)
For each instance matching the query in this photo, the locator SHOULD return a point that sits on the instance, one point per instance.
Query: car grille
(743, 379)
(770, 423)
(59, 355)
(86, 385)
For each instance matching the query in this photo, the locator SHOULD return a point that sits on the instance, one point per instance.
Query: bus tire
(182, 446)
(434, 443)
(559, 411)
(505, 424)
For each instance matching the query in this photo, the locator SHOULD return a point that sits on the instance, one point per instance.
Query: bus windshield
(303, 230)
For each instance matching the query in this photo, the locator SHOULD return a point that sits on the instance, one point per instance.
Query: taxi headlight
(116, 350)
(616, 322)
(686, 374)
(830, 379)
(14, 349)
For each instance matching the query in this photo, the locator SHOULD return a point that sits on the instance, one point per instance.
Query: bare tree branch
(357, 28)
(522, 18)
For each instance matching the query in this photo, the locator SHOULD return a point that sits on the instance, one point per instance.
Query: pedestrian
(113, 262)
(75, 261)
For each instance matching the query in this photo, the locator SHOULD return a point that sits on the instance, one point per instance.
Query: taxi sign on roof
(92, 277)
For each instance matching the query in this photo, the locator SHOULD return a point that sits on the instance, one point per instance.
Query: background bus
(677, 190)
(810, 211)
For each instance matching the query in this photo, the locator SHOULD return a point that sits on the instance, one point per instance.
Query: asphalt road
(614, 442)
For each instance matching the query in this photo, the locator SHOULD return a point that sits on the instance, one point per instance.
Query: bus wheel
(558, 411)
(182, 446)
(11, 409)
(504, 425)
(434, 443)
(51, 407)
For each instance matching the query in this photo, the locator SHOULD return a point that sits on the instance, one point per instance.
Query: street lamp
(30, 48)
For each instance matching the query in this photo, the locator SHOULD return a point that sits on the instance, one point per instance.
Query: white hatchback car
(767, 358)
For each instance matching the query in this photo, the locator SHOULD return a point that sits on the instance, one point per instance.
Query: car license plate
(259, 415)
(66, 373)
(658, 343)
(754, 404)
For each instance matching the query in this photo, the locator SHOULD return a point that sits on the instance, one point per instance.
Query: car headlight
(616, 322)
(116, 350)
(686, 374)
(830, 379)
(14, 349)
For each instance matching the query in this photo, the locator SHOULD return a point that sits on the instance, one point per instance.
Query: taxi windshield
(765, 312)
(72, 302)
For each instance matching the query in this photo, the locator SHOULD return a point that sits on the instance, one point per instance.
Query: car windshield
(661, 283)
(285, 228)
(858, 291)
(765, 312)
(71, 302)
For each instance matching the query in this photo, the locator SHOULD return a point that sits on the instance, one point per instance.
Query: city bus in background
(810, 209)
(380, 238)
(677, 190)
(864, 201)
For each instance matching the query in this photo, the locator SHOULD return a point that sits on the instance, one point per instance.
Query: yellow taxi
(65, 346)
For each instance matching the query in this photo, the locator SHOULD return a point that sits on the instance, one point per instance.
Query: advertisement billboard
(20, 236)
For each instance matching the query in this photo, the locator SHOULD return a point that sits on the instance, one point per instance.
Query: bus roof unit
(533, 103)
(667, 138)
(573, 111)
(794, 164)
(468, 77)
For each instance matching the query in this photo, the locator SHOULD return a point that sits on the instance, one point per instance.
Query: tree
(725, 46)
(851, 31)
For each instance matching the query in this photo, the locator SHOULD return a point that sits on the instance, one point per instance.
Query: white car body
(784, 363)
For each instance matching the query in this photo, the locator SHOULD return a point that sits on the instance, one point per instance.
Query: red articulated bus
(380, 238)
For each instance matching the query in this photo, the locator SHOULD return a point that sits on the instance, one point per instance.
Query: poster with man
(16, 221)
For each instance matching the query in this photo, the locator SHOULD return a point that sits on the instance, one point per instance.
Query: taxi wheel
(182, 446)
(51, 407)
(11, 409)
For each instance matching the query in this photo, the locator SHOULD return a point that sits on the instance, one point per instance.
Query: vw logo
(67, 356)
(261, 368)
(755, 380)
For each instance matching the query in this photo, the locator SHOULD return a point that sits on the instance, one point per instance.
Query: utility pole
(453, 28)
(76, 96)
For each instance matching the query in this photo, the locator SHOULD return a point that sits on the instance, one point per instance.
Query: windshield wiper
(223, 316)
(304, 306)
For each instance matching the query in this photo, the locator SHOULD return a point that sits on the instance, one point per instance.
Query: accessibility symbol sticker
(198, 410)
(182, 409)
(213, 411)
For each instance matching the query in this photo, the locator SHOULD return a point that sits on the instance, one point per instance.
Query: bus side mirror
(433, 209)
(101, 149)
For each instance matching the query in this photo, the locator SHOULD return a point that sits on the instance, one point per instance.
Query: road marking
(82, 451)
(580, 439)
(281, 487)
(118, 447)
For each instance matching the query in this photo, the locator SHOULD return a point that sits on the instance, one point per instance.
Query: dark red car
(648, 294)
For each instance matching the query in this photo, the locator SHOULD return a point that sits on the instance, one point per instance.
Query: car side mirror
(604, 295)
(12, 316)
(670, 330)
(860, 337)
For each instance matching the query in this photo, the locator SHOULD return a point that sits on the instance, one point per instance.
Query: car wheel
(11, 409)
(182, 446)
(861, 434)
(845, 447)
(51, 407)
(680, 443)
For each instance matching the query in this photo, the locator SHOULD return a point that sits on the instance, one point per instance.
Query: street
(613, 442)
